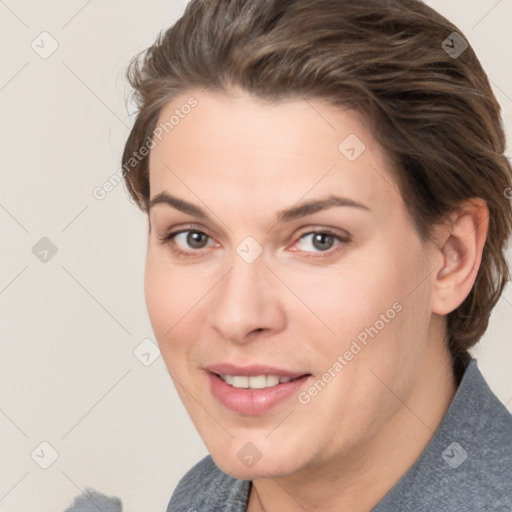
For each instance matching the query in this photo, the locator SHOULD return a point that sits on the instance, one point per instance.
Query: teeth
(254, 382)
(240, 382)
(260, 382)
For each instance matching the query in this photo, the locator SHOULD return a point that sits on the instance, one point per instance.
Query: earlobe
(460, 253)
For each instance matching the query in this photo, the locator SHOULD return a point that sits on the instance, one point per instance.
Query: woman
(328, 208)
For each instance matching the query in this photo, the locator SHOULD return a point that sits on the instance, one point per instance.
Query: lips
(250, 401)
(253, 370)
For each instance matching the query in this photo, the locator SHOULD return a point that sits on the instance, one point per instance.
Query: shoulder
(467, 466)
(487, 433)
(92, 501)
(206, 488)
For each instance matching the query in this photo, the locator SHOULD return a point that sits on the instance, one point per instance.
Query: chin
(239, 464)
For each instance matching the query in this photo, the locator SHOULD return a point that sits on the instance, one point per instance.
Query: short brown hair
(433, 112)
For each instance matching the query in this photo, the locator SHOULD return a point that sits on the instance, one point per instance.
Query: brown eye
(196, 239)
(319, 241)
(186, 242)
(323, 241)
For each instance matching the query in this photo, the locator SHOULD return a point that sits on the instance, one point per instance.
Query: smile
(254, 394)
(254, 382)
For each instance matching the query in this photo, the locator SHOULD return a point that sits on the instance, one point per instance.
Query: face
(253, 269)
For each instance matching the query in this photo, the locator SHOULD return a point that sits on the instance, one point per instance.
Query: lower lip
(253, 401)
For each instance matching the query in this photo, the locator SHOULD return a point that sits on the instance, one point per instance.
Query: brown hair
(432, 110)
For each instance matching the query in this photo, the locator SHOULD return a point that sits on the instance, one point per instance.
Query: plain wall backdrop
(71, 266)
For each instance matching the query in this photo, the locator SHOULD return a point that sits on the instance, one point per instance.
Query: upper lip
(252, 370)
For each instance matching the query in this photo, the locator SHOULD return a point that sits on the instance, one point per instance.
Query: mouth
(255, 394)
(256, 381)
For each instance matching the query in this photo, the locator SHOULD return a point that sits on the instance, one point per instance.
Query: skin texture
(298, 306)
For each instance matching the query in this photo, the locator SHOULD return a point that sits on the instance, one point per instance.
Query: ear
(459, 244)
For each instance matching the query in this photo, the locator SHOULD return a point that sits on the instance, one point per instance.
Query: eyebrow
(303, 209)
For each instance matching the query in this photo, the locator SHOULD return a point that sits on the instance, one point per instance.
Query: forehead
(250, 147)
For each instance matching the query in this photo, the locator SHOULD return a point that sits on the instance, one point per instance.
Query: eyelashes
(170, 239)
(193, 235)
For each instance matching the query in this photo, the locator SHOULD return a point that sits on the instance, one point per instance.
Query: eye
(321, 241)
(186, 241)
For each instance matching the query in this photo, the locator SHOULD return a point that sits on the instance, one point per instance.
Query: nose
(247, 301)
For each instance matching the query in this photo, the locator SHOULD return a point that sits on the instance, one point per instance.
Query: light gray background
(69, 326)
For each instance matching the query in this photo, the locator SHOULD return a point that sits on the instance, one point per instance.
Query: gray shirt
(466, 466)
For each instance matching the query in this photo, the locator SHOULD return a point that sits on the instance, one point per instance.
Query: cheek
(391, 307)
(170, 298)
(348, 298)
(379, 293)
